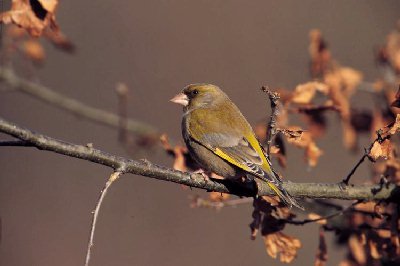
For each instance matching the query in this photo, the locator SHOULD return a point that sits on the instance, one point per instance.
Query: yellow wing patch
(231, 160)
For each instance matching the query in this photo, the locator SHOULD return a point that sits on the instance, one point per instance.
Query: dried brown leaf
(292, 132)
(165, 142)
(322, 254)
(33, 50)
(314, 216)
(304, 93)
(349, 135)
(336, 94)
(260, 130)
(311, 151)
(347, 263)
(283, 245)
(218, 196)
(298, 139)
(396, 126)
(281, 154)
(396, 100)
(357, 249)
(320, 55)
(383, 233)
(180, 162)
(392, 49)
(366, 206)
(271, 200)
(350, 79)
(37, 17)
(381, 150)
(312, 154)
(30, 15)
(178, 152)
(373, 249)
(274, 150)
(49, 5)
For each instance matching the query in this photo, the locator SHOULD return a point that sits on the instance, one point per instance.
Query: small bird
(220, 139)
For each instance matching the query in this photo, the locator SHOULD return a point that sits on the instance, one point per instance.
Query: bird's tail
(275, 183)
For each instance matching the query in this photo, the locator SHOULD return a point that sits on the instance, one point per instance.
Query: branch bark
(148, 169)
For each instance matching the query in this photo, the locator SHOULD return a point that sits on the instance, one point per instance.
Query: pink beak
(181, 98)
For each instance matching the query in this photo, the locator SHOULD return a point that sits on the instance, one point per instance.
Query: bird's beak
(181, 98)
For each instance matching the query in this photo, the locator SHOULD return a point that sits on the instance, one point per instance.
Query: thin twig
(113, 177)
(271, 126)
(326, 217)
(380, 139)
(347, 179)
(248, 189)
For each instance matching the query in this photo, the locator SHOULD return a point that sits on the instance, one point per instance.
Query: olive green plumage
(221, 140)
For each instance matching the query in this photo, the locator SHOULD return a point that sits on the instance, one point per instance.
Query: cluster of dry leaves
(370, 230)
(28, 20)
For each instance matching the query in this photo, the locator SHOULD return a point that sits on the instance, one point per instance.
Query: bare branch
(113, 177)
(271, 127)
(145, 168)
(49, 96)
(326, 217)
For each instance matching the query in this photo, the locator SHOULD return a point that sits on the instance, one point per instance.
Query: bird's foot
(203, 173)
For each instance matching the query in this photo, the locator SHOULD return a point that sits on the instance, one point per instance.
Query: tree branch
(271, 126)
(49, 96)
(145, 168)
(380, 139)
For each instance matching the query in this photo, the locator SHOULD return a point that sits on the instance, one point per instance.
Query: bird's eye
(194, 92)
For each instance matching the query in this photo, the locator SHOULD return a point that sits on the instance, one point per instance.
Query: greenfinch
(220, 139)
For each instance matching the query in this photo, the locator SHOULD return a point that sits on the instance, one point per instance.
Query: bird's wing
(239, 151)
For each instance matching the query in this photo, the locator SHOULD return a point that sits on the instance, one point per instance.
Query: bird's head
(199, 95)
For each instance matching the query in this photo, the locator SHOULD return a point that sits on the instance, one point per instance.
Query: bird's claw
(205, 176)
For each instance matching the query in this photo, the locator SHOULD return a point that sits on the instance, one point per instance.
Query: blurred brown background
(156, 48)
